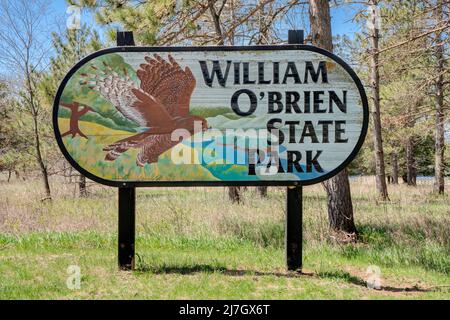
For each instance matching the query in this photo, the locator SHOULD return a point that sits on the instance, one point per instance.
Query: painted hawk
(160, 103)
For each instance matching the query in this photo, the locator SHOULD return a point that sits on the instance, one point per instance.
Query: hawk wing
(168, 83)
(152, 110)
(118, 90)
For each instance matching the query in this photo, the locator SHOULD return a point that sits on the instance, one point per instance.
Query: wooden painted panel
(134, 116)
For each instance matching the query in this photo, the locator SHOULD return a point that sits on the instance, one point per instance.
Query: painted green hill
(106, 113)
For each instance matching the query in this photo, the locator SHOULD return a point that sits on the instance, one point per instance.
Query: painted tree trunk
(340, 208)
(75, 115)
(376, 118)
(440, 117)
(74, 130)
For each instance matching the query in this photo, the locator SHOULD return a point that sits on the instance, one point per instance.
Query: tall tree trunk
(37, 140)
(320, 21)
(262, 191)
(394, 167)
(82, 186)
(376, 118)
(410, 172)
(440, 118)
(340, 208)
(234, 193)
(43, 167)
(262, 39)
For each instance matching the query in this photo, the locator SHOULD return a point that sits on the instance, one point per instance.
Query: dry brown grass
(188, 236)
(199, 211)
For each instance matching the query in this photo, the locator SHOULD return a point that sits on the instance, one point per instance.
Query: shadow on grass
(207, 268)
(221, 269)
(180, 269)
(342, 275)
(291, 274)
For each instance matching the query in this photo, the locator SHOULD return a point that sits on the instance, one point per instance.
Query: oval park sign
(265, 115)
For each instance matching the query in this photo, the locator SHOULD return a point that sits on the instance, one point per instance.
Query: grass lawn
(193, 244)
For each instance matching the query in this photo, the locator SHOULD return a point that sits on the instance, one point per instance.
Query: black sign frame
(132, 184)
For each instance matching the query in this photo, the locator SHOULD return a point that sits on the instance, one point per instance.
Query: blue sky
(341, 18)
(57, 17)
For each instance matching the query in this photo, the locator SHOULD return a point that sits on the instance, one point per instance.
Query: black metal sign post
(127, 200)
(294, 228)
(294, 210)
(127, 223)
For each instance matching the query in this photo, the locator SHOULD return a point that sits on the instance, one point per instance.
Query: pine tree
(340, 207)
(374, 30)
(70, 48)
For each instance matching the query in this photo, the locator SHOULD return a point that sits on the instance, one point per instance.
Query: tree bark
(41, 163)
(394, 168)
(232, 34)
(380, 172)
(82, 186)
(439, 164)
(410, 171)
(320, 21)
(234, 194)
(340, 208)
(262, 191)
(216, 19)
(37, 139)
